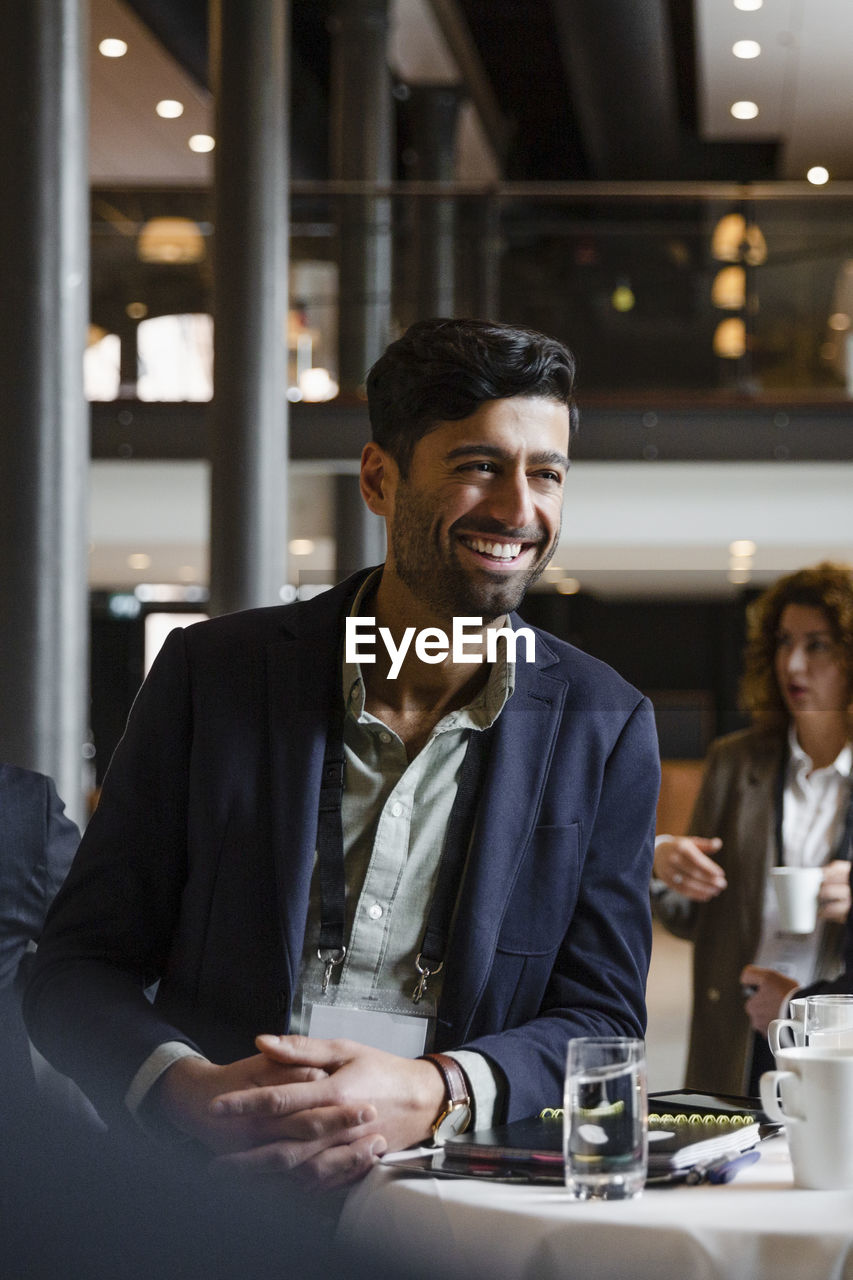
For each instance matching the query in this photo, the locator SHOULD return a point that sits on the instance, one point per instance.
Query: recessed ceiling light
(300, 546)
(112, 48)
(839, 321)
(746, 48)
(742, 547)
(136, 310)
(201, 142)
(567, 586)
(139, 560)
(817, 175)
(744, 110)
(748, 6)
(169, 108)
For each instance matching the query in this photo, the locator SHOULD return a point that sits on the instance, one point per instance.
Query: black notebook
(686, 1130)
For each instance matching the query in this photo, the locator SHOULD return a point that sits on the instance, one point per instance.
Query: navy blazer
(195, 868)
(37, 844)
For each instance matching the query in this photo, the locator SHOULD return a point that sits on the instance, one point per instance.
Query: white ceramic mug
(796, 1024)
(797, 891)
(811, 1092)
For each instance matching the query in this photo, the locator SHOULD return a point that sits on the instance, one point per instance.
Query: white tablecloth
(759, 1227)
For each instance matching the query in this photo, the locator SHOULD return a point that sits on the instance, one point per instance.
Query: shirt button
(384, 736)
(713, 995)
(375, 912)
(396, 809)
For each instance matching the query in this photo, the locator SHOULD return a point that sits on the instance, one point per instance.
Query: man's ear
(378, 478)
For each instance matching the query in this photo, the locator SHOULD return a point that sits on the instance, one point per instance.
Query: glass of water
(605, 1129)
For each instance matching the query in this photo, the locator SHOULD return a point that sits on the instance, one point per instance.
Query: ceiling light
(730, 339)
(742, 547)
(201, 142)
(817, 175)
(136, 310)
(139, 560)
(839, 321)
(622, 297)
(112, 48)
(567, 586)
(748, 6)
(744, 110)
(300, 546)
(169, 109)
(170, 240)
(729, 289)
(746, 48)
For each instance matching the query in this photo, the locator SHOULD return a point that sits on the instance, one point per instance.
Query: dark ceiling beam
(641, 430)
(618, 59)
(457, 33)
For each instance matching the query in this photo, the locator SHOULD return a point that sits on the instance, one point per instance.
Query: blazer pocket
(543, 897)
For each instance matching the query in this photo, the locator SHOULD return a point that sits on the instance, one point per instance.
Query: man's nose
(511, 502)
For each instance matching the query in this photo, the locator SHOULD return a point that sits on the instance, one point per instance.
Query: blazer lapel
(519, 759)
(303, 675)
(757, 833)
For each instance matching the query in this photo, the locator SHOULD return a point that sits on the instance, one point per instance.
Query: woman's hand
(767, 988)
(683, 864)
(834, 896)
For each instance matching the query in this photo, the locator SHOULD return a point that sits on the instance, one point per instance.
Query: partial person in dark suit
(37, 844)
(484, 828)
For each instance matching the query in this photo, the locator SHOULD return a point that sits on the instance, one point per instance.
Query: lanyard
(843, 850)
(330, 854)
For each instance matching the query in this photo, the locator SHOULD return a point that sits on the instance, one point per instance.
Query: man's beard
(437, 577)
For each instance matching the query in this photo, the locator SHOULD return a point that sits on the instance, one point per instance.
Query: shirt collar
(483, 709)
(800, 760)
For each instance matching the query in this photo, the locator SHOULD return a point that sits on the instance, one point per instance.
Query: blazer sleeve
(108, 932)
(37, 844)
(598, 982)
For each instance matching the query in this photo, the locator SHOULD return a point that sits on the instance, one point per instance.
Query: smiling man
(379, 896)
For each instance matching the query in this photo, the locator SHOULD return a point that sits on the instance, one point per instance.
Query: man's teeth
(498, 550)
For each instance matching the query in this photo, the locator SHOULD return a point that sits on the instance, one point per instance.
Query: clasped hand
(322, 1110)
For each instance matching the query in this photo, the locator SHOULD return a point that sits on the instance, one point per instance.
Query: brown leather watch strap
(454, 1078)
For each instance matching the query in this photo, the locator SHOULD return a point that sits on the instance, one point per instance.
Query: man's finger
(346, 1161)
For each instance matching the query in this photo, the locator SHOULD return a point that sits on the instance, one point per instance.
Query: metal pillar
(361, 146)
(360, 535)
(44, 422)
(433, 111)
(249, 418)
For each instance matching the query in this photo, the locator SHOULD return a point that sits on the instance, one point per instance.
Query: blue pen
(724, 1169)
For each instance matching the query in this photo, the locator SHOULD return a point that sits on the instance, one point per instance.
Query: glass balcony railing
(685, 291)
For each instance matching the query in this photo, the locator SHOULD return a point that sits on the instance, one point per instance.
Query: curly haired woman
(778, 793)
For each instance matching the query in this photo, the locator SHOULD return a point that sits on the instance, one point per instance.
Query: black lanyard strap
(330, 853)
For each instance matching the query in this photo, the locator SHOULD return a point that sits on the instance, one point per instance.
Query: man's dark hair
(442, 370)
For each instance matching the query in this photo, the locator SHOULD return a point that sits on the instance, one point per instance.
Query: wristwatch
(455, 1115)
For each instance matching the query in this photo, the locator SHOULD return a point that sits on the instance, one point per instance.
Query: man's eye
(554, 476)
(478, 466)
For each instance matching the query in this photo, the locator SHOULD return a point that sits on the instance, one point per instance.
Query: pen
(723, 1169)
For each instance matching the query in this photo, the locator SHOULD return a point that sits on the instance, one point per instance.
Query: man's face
(478, 518)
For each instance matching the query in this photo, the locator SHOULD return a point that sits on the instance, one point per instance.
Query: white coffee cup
(811, 1092)
(796, 1024)
(797, 890)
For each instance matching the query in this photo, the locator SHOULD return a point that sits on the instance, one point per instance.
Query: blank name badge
(386, 1023)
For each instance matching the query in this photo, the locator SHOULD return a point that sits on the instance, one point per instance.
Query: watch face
(453, 1122)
